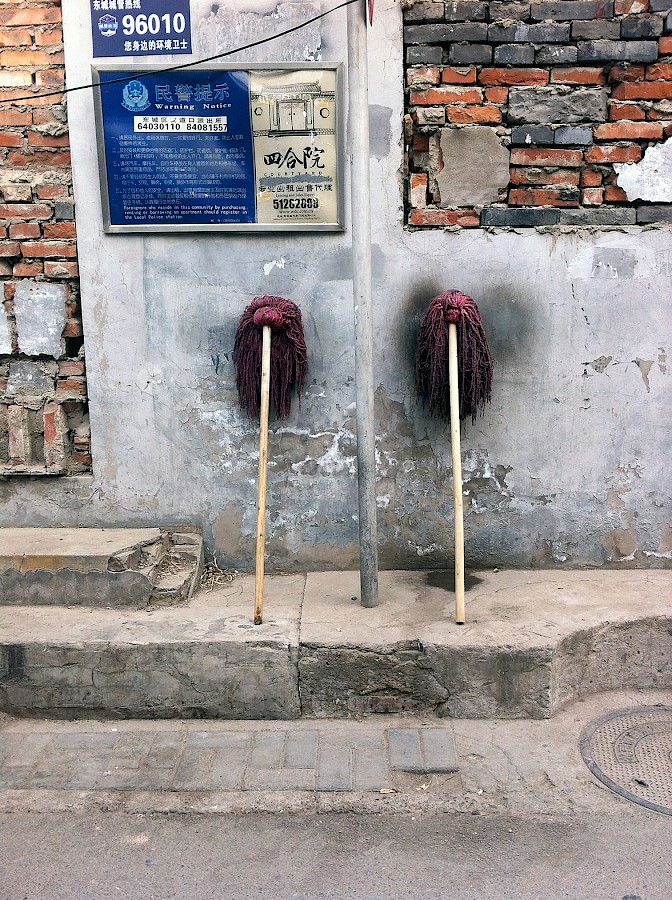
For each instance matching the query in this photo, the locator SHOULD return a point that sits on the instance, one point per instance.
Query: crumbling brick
(43, 414)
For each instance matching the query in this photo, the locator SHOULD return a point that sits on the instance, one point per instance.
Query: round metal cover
(631, 752)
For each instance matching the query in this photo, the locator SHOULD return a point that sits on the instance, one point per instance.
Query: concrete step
(99, 567)
(533, 642)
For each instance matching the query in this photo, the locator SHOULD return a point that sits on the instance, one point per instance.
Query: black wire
(188, 65)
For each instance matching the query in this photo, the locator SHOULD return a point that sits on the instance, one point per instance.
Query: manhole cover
(631, 752)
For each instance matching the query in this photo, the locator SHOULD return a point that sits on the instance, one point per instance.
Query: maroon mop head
(474, 360)
(289, 356)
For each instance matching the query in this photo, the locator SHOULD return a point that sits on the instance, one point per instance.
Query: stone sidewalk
(150, 756)
(393, 764)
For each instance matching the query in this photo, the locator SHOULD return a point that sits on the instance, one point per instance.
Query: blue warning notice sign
(140, 27)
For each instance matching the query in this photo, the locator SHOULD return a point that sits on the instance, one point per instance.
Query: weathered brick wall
(554, 91)
(43, 408)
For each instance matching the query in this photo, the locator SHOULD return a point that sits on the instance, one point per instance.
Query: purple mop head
(474, 359)
(289, 356)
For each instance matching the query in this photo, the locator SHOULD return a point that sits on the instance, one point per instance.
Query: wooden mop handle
(263, 467)
(453, 385)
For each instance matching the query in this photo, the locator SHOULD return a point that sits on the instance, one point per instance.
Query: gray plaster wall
(569, 466)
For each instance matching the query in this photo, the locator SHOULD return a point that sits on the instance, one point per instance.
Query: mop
(271, 362)
(453, 375)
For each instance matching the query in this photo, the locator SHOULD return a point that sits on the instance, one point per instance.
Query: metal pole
(358, 130)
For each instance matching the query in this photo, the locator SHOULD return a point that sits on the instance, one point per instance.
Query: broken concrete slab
(100, 567)
(533, 641)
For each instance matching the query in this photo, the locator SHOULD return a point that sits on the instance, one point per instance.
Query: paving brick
(514, 55)
(53, 768)
(91, 742)
(404, 749)
(465, 11)
(551, 56)
(571, 9)
(219, 740)
(353, 736)
(131, 749)
(369, 771)
(194, 769)
(282, 780)
(425, 11)
(22, 751)
(301, 750)
(603, 216)
(617, 51)
(600, 29)
(439, 749)
(518, 218)
(543, 106)
(578, 75)
(16, 778)
(135, 779)
(534, 34)
(638, 27)
(438, 34)
(461, 54)
(422, 54)
(649, 214)
(505, 10)
(463, 75)
(162, 757)
(86, 775)
(532, 135)
(267, 750)
(228, 770)
(334, 769)
(567, 135)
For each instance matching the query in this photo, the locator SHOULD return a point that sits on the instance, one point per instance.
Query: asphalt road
(97, 855)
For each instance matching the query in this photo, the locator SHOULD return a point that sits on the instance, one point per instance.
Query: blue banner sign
(216, 149)
(140, 27)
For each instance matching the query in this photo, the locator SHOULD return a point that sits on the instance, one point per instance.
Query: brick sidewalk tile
(334, 769)
(369, 771)
(404, 750)
(439, 750)
(301, 750)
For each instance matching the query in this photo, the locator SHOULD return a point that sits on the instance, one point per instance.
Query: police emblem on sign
(108, 25)
(136, 98)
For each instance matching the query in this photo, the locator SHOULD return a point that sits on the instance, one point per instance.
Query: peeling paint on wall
(650, 179)
(644, 366)
(226, 25)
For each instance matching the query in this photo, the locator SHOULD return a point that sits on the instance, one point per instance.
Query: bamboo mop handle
(263, 467)
(457, 472)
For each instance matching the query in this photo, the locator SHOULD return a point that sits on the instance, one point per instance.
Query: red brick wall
(45, 432)
(602, 68)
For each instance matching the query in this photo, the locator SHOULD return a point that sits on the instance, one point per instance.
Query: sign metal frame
(136, 72)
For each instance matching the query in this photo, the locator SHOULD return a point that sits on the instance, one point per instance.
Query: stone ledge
(533, 642)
